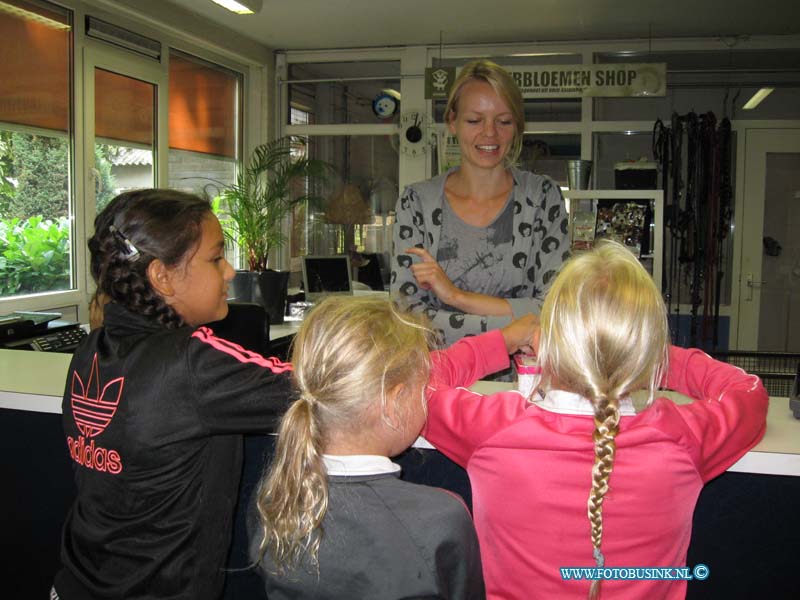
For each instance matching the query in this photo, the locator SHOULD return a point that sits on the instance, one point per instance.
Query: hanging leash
(676, 233)
(697, 213)
(662, 146)
(725, 212)
(710, 210)
(690, 249)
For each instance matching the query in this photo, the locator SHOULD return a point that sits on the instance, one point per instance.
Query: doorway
(768, 318)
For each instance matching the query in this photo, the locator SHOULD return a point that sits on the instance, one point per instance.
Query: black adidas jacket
(153, 419)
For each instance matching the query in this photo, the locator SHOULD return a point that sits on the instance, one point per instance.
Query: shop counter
(746, 524)
(34, 382)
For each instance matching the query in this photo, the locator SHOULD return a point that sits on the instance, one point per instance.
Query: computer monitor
(326, 275)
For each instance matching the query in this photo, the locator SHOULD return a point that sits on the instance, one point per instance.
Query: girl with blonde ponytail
(539, 466)
(332, 519)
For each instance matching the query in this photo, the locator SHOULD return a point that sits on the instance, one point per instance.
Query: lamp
(241, 7)
(349, 209)
(757, 98)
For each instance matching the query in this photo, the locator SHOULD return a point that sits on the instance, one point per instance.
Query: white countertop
(778, 453)
(285, 329)
(34, 381)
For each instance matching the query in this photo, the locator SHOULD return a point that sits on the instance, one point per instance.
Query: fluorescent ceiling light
(28, 15)
(757, 98)
(241, 7)
(525, 54)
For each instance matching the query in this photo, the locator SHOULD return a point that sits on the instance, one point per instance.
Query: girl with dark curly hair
(155, 405)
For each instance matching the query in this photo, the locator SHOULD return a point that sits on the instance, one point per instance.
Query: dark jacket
(385, 539)
(153, 419)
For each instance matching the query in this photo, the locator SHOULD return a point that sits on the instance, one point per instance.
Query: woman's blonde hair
(347, 355)
(505, 87)
(604, 335)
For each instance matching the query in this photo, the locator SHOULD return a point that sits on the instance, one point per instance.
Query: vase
(241, 287)
(269, 290)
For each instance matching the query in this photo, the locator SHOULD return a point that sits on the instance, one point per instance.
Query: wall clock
(413, 128)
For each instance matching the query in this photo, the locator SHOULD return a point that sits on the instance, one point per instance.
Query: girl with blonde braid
(533, 461)
(331, 518)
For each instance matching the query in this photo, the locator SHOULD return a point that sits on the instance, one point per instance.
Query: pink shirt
(530, 469)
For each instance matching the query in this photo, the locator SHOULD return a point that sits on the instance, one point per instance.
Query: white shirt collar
(358, 464)
(569, 403)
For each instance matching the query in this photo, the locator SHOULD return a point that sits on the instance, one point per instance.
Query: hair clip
(131, 252)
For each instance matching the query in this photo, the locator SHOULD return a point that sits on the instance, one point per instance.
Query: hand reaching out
(522, 334)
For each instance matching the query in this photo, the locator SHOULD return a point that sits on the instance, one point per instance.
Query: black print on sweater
(408, 288)
(457, 320)
(549, 244)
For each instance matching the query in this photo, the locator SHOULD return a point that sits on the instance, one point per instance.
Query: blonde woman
(574, 476)
(480, 244)
(332, 518)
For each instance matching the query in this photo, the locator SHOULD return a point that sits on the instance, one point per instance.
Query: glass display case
(634, 218)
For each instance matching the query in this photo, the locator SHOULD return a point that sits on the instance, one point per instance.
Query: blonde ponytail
(293, 498)
(347, 355)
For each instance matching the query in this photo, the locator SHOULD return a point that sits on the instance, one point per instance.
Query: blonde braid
(606, 422)
(604, 335)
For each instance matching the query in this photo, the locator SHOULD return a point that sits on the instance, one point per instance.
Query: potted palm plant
(277, 178)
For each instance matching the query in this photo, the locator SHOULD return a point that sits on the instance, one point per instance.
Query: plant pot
(269, 290)
(241, 288)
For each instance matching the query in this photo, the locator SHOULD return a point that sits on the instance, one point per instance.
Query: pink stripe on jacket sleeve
(206, 336)
(469, 359)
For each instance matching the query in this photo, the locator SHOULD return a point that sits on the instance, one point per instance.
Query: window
(357, 212)
(42, 241)
(124, 139)
(204, 124)
(339, 93)
(326, 102)
(36, 196)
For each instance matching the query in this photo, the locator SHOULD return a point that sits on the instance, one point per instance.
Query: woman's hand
(522, 334)
(430, 276)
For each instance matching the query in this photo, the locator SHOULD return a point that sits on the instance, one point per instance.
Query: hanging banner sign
(576, 81)
(438, 81)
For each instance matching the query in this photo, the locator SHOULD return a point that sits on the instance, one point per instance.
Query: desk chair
(247, 324)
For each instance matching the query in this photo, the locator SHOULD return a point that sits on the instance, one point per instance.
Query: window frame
(415, 59)
(253, 125)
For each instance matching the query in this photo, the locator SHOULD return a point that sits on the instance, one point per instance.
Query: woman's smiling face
(484, 125)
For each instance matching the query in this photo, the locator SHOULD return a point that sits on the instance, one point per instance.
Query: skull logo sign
(439, 77)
